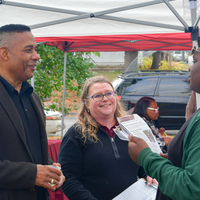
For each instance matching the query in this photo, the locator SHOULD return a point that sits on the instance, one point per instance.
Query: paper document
(136, 126)
(138, 191)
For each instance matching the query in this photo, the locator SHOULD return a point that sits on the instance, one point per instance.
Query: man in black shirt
(24, 159)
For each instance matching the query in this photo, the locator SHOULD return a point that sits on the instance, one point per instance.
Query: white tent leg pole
(64, 85)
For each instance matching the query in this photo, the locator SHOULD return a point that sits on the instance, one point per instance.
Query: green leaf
(49, 71)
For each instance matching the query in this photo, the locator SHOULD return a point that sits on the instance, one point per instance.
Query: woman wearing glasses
(147, 108)
(95, 162)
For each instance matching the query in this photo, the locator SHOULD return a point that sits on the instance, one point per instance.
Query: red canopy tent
(136, 42)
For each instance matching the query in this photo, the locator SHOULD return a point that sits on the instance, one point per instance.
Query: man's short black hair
(9, 28)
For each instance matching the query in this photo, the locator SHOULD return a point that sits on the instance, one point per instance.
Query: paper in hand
(136, 126)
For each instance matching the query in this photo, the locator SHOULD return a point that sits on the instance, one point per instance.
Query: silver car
(53, 121)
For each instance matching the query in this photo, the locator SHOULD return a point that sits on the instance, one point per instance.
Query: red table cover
(53, 147)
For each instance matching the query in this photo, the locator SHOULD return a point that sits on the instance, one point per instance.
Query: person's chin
(106, 112)
(30, 76)
(195, 89)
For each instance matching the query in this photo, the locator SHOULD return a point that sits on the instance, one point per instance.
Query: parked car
(53, 121)
(170, 89)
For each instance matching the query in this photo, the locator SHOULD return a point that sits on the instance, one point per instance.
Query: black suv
(170, 89)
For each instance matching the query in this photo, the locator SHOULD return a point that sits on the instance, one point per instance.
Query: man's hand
(46, 175)
(62, 176)
(135, 146)
(62, 179)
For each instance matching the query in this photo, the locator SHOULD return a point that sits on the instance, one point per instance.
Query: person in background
(191, 106)
(24, 159)
(179, 174)
(94, 160)
(147, 108)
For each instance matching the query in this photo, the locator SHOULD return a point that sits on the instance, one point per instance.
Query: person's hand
(62, 179)
(135, 146)
(47, 175)
(162, 131)
(167, 140)
(151, 180)
(62, 176)
(164, 155)
(57, 164)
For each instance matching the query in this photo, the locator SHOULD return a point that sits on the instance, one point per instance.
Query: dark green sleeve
(175, 182)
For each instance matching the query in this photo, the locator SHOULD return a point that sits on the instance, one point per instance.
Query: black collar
(26, 87)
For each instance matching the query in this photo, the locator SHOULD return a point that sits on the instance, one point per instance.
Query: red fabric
(136, 42)
(110, 132)
(53, 147)
(57, 195)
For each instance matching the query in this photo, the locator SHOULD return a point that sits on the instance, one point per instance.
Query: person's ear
(4, 53)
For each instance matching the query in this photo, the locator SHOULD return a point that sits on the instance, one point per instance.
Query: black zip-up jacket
(99, 170)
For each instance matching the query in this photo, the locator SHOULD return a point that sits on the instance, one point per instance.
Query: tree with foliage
(48, 76)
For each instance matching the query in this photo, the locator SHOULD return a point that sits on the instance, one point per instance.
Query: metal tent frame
(110, 15)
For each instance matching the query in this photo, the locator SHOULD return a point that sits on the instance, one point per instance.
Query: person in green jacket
(178, 173)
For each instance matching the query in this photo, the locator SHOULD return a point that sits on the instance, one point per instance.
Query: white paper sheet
(136, 126)
(138, 191)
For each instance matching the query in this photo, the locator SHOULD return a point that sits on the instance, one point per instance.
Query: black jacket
(99, 170)
(17, 170)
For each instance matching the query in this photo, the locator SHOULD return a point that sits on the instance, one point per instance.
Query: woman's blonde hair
(87, 126)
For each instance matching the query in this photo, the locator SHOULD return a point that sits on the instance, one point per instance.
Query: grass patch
(109, 75)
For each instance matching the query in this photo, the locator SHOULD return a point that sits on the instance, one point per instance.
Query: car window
(174, 87)
(138, 86)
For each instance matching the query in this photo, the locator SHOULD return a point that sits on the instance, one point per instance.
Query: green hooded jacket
(177, 183)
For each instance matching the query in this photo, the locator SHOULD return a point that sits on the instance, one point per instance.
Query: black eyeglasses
(194, 50)
(99, 97)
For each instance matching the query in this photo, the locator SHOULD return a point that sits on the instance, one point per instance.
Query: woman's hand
(167, 140)
(162, 131)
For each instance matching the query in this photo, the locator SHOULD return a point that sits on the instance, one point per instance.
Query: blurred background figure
(147, 108)
(94, 160)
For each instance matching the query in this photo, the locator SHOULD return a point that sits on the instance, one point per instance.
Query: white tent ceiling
(111, 17)
(106, 25)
